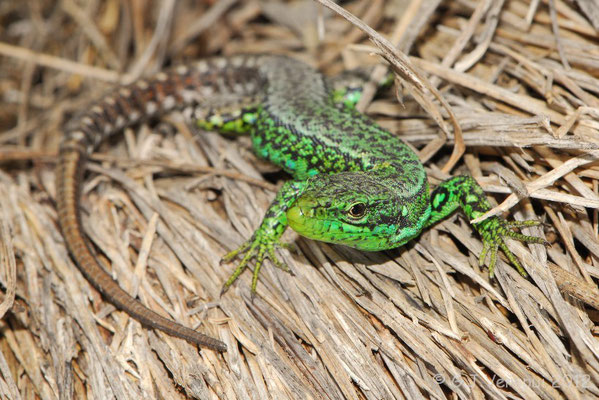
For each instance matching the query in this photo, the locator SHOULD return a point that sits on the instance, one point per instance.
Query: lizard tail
(182, 88)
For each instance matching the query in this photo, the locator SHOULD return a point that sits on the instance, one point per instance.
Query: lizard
(352, 182)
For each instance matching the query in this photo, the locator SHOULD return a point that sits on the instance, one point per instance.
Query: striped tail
(182, 88)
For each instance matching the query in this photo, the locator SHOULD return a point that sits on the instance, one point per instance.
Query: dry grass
(163, 205)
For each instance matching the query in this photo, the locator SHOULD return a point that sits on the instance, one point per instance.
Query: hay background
(161, 206)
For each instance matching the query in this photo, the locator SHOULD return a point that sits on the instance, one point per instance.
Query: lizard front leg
(265, 240)
(465, 193)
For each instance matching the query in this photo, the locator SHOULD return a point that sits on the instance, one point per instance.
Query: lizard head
(353, 209)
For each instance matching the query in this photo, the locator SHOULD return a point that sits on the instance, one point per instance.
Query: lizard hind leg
(523, 224)
(346, 88)
(226, 119)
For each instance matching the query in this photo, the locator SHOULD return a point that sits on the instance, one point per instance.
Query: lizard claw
(493, 232)
(232, 254)
(260, 247)
(291, 247)
(223, 290)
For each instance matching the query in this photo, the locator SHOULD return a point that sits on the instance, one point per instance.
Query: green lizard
(353, 183)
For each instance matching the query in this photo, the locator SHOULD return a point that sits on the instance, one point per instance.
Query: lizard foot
(493, 232)
(260, 247)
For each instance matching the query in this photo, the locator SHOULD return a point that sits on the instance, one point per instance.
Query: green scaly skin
(353, 182)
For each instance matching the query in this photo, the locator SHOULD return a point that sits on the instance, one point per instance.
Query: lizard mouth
(308, 218)
(300, 218)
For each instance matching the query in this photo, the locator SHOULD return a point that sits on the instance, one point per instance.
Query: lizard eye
(357, 210)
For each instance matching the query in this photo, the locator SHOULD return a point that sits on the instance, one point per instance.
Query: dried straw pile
(162, 206)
